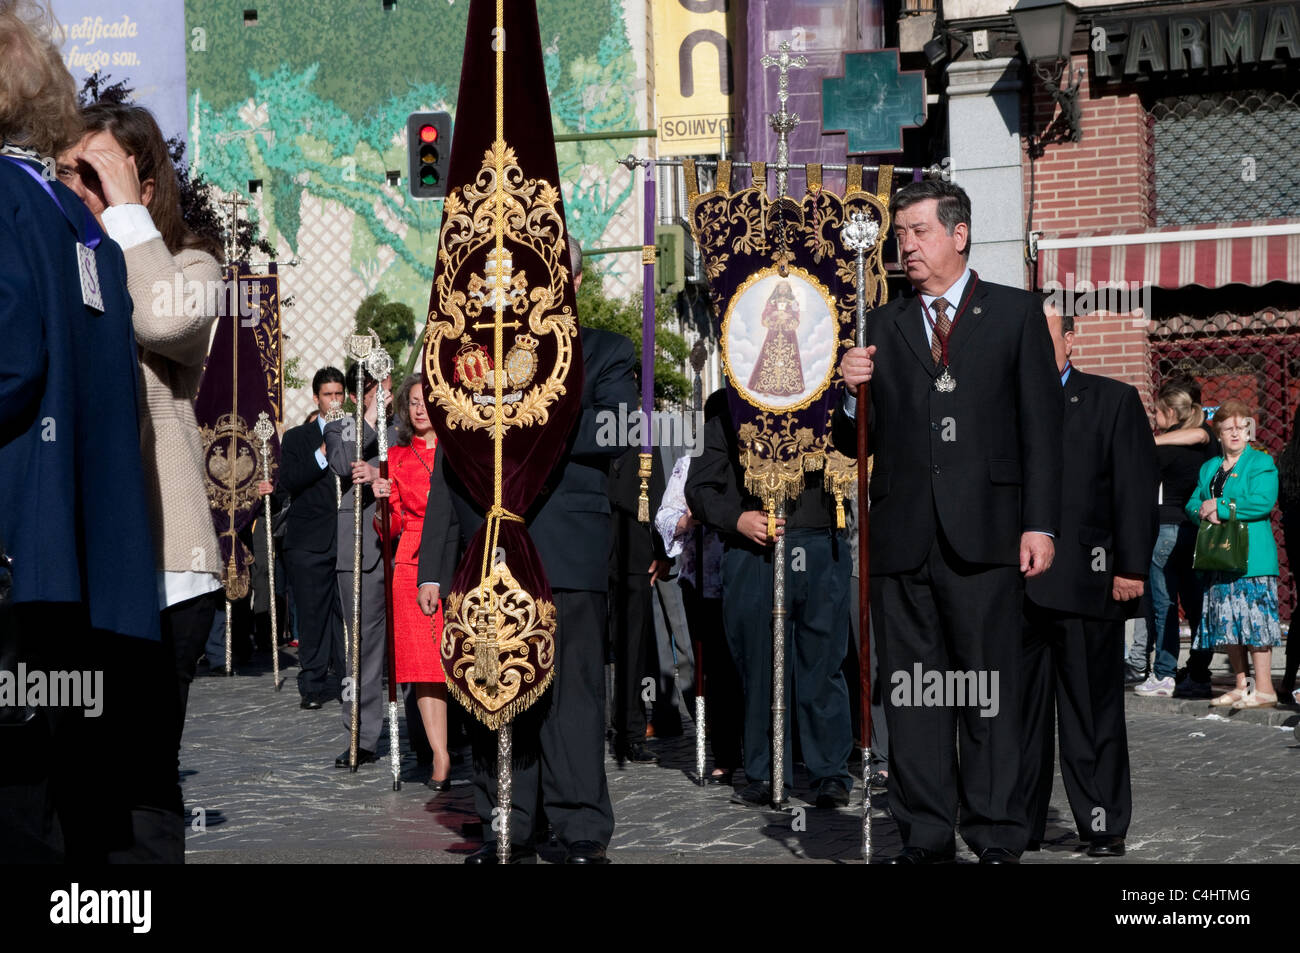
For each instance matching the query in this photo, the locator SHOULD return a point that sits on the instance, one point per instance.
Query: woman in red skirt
(417, 637)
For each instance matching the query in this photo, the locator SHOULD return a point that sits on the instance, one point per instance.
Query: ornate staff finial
(783, 121)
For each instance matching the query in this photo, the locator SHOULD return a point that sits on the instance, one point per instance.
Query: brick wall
(1104, 182)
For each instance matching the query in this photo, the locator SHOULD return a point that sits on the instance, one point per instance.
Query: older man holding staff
(965, 423)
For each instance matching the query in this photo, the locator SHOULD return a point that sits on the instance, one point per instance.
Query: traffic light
(670, 260)
(428, 145)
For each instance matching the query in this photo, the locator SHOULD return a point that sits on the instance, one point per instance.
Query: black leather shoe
(310, 703)
(754, 794)
(487, 854)
(831, 794)
(586, 852)
(364, 756)
(878, 782)
(1106, 847)
(724, 778)
(439, 786)
(922, 855)
(998, 855)
(1034, 845)
(222, 670)
(637, 754)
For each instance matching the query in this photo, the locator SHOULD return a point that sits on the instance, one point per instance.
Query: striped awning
(1212, 256)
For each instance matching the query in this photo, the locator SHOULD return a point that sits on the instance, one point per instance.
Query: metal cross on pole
(236, 202)
(783, 121)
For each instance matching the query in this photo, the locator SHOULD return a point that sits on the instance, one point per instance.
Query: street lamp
(1046, 29)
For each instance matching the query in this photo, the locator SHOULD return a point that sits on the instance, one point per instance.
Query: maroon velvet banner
(502, 360)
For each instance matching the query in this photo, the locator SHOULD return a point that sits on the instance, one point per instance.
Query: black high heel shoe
(440, 786)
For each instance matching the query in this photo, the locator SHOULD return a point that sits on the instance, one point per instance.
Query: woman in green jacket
(1240, 611)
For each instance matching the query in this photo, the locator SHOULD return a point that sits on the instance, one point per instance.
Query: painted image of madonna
(779, 340)
(778, 371)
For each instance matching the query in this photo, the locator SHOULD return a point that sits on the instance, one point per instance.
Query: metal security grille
(1254, 358)
(1224, 157)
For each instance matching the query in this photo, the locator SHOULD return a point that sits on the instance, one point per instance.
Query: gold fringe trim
(692, 182)
(724, 176)
(813, 171)
(497, 719)
(759, 171)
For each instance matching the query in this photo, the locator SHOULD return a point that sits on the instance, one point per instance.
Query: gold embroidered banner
(502, 359)
(782, 285)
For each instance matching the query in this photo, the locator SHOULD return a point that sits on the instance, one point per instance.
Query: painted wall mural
(310, 100)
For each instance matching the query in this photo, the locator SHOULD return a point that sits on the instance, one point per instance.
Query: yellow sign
(695, 74)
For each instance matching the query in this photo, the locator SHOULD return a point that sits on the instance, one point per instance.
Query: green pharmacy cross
(874, 101)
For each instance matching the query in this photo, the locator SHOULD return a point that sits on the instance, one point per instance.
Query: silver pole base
(505, 789)
(699, 737)
(229, 669)
(394, 751)
(866, 804)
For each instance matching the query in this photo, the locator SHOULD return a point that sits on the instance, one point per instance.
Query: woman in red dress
(416, 636)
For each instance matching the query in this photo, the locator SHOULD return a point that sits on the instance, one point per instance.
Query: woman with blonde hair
(1240, 610)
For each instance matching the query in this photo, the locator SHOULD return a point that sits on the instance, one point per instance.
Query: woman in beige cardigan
(122, 171)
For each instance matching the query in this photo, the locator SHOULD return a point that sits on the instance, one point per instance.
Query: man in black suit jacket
(310, 540)
(559, 742)
(965, 431)
(1074, 613)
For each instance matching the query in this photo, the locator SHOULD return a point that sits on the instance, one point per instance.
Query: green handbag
(1222, 547)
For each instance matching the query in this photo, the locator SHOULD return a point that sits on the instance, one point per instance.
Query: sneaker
(1160, 687)
(1190, 688)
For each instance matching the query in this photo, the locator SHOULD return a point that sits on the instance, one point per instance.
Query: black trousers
(817, 638)
(1074, 671)
(559, 743)
(632, 634)
(724, 699)
(950, 616)
(320, 618)
(186, 625)
(124, 747)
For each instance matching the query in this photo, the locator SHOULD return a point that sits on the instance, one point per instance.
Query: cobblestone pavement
(261, 787)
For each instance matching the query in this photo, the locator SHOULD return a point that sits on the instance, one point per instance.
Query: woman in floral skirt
(1240, 612)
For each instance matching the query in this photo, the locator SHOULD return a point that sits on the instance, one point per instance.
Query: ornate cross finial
(236, 202)
(783, 121)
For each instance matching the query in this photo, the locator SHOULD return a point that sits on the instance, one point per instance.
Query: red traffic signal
(428, 142)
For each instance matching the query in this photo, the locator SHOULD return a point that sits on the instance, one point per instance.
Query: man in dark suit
(965, 499)
(1074, 613)
(74, 522)
(817, 607)
(340, 450)
(559, 774)
(309, 542)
